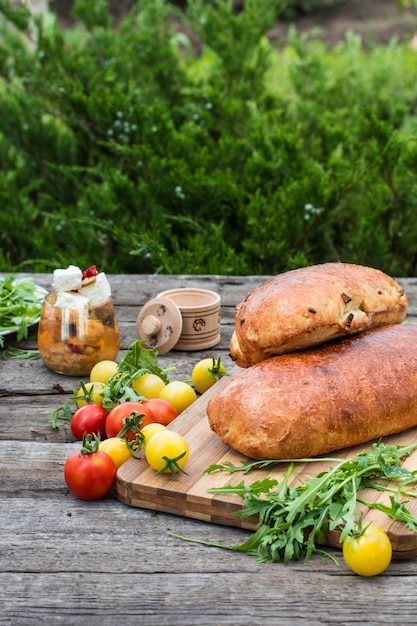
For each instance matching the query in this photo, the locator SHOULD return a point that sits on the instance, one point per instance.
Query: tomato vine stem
(173, 465)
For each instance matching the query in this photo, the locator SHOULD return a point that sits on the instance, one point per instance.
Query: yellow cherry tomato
(167, 451)
(117, 449)
(368, 552)
(95, 391)
(102, 371)
(180, 394)
(149, 431)
(148, 385)
(207, 372)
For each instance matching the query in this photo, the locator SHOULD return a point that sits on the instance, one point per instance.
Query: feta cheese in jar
(76, 332)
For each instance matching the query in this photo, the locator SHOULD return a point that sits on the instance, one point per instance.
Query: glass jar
(71, 340)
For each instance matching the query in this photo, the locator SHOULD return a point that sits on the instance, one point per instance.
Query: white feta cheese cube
(71, 300)
(68, 279)
(97, 292)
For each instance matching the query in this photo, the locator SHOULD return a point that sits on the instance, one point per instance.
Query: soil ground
(375, 20)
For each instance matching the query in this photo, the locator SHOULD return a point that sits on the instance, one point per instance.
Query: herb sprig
(294, 520)
(20, 305)
(20, 353)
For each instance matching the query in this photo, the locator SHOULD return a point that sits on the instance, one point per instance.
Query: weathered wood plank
(137, 289)
(33, 422)
(35, 379)
(240, 598)
(66, 527)
(177, 599)
(69, 558)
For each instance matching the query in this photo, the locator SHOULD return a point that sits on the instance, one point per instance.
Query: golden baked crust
(308, 403)
(311, 305)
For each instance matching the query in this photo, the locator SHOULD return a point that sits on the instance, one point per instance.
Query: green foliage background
(202, 148)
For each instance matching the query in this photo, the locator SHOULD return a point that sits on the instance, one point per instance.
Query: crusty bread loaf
(309, 306)
(308, 403)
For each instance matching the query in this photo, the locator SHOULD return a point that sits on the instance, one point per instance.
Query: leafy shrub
(182, 141)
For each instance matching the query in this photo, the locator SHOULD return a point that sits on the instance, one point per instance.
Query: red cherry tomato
(114, 421)
(163, 410)
(89, 473)
(89, 419)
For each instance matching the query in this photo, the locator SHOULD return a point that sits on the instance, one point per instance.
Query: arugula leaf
(293, 521)
(397, 511)
(19, 353)
(20, 305)
(63, 412)
(139, 360)
(136, 362)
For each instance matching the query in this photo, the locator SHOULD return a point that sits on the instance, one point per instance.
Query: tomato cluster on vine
(125, 410)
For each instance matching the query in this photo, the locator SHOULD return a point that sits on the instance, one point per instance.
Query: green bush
(182, 141)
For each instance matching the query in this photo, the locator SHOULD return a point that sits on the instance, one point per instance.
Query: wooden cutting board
(139, 486)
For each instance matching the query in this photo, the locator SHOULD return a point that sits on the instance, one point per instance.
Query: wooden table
(66, 561)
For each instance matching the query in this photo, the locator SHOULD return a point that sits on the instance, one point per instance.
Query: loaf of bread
(304, 404)
(311, 305)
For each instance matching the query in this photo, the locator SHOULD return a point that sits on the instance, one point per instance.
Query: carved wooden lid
(160, 323)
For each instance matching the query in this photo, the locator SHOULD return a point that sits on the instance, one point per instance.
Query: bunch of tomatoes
(125, 410)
